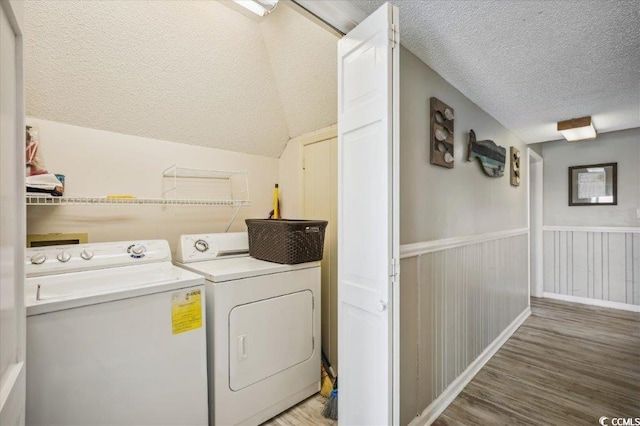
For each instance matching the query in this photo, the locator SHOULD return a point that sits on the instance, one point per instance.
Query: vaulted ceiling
(532, 63)
(196, 72)
(200, 72)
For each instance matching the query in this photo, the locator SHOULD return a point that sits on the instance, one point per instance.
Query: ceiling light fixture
(577, 129)
(259, 7)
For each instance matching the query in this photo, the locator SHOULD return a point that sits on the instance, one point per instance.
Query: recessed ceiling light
(577, 129)
(259, 7)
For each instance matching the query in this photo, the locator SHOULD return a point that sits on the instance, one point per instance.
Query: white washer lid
(72, 290)
(241, 267)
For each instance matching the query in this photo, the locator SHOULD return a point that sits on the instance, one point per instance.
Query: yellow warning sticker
(186, 311)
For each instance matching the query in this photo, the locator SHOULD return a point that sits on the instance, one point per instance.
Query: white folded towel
(45, 181)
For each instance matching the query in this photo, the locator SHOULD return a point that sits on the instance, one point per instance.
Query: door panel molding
(368, 238)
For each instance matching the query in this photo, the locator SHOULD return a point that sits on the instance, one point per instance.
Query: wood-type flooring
(568, 364)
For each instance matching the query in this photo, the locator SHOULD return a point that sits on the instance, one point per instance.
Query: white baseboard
(595, 302)
(437, 407)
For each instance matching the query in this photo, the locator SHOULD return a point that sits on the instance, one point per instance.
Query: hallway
(567, 364)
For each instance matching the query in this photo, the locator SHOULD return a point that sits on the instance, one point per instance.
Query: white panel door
(368, 242)
(12, 217)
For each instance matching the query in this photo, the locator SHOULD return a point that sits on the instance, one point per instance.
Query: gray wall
(437, 202)
(622, 147)
(453, 302)
(593, 263)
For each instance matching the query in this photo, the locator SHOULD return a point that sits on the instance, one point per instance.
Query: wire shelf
(184, 172)
(183, 182)
(35, 200)
(224, 189)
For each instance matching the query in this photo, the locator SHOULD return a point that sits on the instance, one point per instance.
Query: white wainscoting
(593, 263)
(461, 298)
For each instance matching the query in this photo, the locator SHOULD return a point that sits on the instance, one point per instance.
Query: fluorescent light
(577, 129)
(259, 7)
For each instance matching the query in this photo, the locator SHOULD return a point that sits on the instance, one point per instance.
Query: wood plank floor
(308, 412)
(567, 364)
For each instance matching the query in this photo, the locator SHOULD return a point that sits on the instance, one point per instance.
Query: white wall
(290, 180)
(454, 302)
(593, 252)
(622, 147)
(97, 163)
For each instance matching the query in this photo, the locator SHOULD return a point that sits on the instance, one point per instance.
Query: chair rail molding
(424, 247)
(619, 229)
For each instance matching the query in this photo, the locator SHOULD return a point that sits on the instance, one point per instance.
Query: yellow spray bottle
(276, 203)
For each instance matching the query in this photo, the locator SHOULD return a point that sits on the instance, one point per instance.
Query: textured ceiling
(532, 63)
(196, 72)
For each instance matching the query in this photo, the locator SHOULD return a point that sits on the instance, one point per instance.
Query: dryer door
(269, 336)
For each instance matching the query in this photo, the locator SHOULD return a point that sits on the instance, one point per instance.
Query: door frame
(536, 263)
(326, 135)
(13, 380)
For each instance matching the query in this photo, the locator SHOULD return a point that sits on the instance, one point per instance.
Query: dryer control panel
(84, 257)
(200, 247)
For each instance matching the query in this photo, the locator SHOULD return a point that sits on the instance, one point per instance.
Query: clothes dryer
(263, 325)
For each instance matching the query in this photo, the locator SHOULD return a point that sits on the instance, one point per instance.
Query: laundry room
(176, 121)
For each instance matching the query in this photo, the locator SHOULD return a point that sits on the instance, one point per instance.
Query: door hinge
(395, 269)
(393, 35)
(313, 343)
(313, 302)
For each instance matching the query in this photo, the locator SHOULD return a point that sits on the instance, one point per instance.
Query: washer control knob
(38, 259)
(63, 256)
(137, 250)
(201, 246)
(86, 254)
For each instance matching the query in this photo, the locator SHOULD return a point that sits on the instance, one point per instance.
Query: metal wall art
(515, 166)
(441, 134)
(492, 157)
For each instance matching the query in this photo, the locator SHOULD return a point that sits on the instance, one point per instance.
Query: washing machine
(115, 336)
(263, 325)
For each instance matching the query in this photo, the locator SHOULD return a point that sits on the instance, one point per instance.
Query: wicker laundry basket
(286, 241)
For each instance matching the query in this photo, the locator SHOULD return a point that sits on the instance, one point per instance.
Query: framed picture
(593, 185)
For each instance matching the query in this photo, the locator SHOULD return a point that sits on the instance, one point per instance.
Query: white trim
(10, 382)
(615, 229)
(424, 247)
(339, 14)
(320, 135)
(533, 158)
(594, 302)
(395, 291)
(437, 407)
(13, 381)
